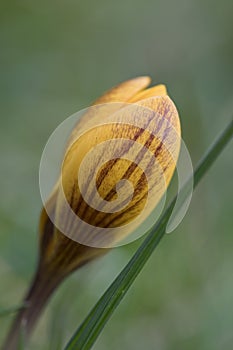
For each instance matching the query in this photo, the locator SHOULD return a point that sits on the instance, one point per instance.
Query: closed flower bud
(119, 160)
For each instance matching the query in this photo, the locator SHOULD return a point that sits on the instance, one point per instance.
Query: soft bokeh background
(56, 57)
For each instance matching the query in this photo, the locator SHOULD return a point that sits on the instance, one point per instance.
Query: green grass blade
(88, 331)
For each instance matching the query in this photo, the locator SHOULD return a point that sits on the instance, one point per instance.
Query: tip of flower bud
(158, 90)
(125, 90)
(142, 79)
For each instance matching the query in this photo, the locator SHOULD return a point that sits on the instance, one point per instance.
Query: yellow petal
(157, 114)
(124, 91)
(158, 90)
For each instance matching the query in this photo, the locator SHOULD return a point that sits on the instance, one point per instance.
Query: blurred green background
(56, 57)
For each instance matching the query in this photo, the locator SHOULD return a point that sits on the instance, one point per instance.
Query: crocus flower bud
(119, 160)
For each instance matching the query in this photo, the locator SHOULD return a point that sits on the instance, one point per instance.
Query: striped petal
(158, 133)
